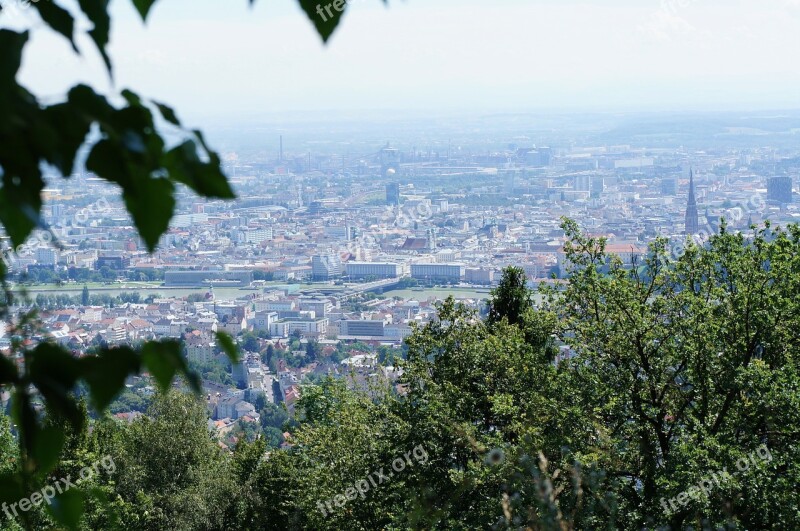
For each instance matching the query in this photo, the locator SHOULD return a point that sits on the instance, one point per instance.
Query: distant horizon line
(407, 113)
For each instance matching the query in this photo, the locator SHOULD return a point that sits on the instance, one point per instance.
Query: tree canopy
(658, 397)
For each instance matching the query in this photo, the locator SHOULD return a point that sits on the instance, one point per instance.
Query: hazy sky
(213, 57)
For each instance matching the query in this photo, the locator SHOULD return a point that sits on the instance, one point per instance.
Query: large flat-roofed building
(480, 275)
(326, 267)
(361, 328)
(779, 190)
(361, 270)
(264, 320)
(306, 327)
(438, 271)
(320, 307)
(205, 278)
(47, 256)
(252, 235)
(116, 263)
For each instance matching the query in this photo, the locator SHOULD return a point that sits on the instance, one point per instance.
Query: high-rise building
(669, 186)
(431, 239)
(598, 185)
(393, 194)
(326, 267)
(692, 218)
(390, 160)
(583, 183)
(57, 211)
(779, 190)
(46, 256)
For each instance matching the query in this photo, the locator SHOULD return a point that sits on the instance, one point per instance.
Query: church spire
(692, 218)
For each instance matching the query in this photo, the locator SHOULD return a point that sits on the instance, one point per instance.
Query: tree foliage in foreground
(666, 375)
(669, 373)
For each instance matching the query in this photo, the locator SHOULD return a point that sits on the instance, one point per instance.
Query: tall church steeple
(692, 218)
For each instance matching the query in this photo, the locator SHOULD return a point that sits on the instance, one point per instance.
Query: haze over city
(465, 56)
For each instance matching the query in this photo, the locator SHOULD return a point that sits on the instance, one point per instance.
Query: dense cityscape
(329, 259)
(517, 265)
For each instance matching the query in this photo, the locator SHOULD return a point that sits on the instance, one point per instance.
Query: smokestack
(281, 156)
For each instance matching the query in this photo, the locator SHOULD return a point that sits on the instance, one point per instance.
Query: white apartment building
(360, 270)
(286, 327)
(449, 272)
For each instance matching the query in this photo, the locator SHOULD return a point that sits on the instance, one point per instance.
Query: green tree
(273, 415)
(268, 355)
(685, 363)
(250, 342)
(671, 371)
(85, 296)
(512, 298)
(313, 351)
(127, 402)
(170, 473)
(9, 457)
(343, 437)
(478, 396)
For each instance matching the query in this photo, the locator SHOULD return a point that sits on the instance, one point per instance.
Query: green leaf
(94, 106)
(167, 113)
(11, 44)
(143, 7)
(151, 204)
(25, 417)
(8, 370)
(108, 161)
(228, 346)
(106, 374)
(53, 364)
(46, 449)
(20, 203)
(97, 12)
(164, 360)
(67, 508)
(324, 15)
(21, 186)
(59, 19)
(131, 97)
(72, 131)
(205, 178)
(10, 488)
(54, 372)
(149, 200)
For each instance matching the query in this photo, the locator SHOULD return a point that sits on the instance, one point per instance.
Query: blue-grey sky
(213, 57)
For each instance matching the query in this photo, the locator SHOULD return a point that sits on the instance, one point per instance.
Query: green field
(150, 288)
(439, 293)
(144, 289)
(423, 294)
